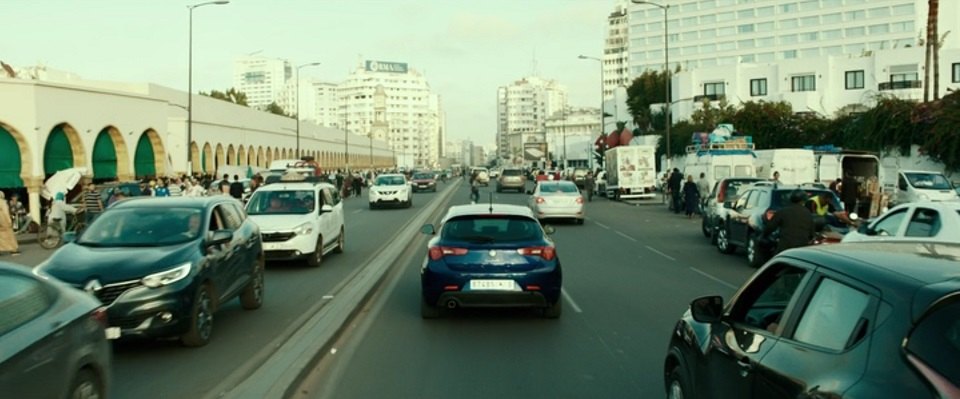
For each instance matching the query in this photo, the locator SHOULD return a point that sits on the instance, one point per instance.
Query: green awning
(104, 157)
(10, 161)
(203, 161)
(143, 161)
(57, 154)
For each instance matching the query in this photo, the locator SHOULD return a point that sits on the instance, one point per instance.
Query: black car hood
(76, 264)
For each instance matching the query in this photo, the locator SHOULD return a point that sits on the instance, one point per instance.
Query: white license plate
(494, 285)
(269, 246)
(113, 332)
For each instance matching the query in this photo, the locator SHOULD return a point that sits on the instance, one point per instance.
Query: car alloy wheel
(677, 386)
(756, 255)
(201, 323)
(252, 295)
(341, 242)
(316, 258)
(86, 386)
(723, 241)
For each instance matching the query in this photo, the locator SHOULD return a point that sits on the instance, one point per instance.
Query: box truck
(631, 171)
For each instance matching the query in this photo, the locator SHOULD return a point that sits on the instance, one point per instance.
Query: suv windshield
(143, 227)
(423, 176)
(287, 202)
(928, 181)
(492, 229)
(389, 181)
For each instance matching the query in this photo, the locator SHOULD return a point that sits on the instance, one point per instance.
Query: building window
(854, 80)
(713, 89)
(804, 83)
(758, 87)
(956, 72)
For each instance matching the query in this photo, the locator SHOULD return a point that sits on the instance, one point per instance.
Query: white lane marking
(570, 301)
(709, 276)
(627, 237)
(660, 253)
(602, 225)
(357, 210)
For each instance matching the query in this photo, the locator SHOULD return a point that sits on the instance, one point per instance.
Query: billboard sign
(534, 151)
(383, 66)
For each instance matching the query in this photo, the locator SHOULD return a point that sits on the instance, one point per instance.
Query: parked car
(863, 320)
(299, 221)
(917, 221)
(53, 338)
(556, 199)
(163, 266)
(424, 181)
(511, 179)
(914, 186)
(746, 216)
(711, 207)
(490, 256)
(390, 189)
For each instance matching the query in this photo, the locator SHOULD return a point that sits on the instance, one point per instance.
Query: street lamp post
(190, 81)
(666, 67)
(298, 102)
(584, 57)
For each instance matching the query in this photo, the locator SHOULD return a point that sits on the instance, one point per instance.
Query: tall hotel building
(262, 79)
(522, 111)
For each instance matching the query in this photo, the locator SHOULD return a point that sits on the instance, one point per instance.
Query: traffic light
(599, 149)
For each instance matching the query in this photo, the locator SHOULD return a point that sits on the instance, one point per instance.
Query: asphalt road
(165, 369)
(629, 273)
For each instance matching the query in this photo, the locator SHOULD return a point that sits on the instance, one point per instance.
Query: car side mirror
(708, 309)
(549, 229)
(428, 229)
(220, 237)
(325, 208)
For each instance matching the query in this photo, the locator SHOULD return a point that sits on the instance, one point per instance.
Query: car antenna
(491, 202)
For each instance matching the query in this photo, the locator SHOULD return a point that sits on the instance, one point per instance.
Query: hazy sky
(466, 49)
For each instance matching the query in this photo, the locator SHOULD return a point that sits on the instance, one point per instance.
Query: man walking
(676, 198)
(703, 186)
(588, 185)
(92, 203)
(236, 188)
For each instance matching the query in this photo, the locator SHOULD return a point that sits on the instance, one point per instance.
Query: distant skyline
(465, 49)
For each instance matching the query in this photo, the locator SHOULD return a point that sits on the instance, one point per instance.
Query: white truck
(631, 172)
(861, 179)
(916, 185)
(796, 166)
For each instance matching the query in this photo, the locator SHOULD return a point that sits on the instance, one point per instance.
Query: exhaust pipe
(452, 304)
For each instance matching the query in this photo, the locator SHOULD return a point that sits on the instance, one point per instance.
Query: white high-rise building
(616, 50)
(522, 111)
(709, 33)
(413, 121)
(264, 80)
(319, 102)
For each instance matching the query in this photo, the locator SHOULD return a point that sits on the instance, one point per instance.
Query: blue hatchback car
(490, 255)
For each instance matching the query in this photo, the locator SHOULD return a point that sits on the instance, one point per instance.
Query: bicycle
(50, 235)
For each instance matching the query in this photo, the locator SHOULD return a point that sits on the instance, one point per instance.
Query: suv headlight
(303, 229)
(167, 277)
(923, 197)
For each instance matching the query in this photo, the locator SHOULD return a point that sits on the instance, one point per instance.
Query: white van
(720, 161)
(913, 186)
(796, 166)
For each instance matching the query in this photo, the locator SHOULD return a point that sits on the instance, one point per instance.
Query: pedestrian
(17, 211)
(474, 190)
(92, 203)
(835, 186)
(59, 210)
(175, 188)
(588, 185)
(776, 177)
(691, 196)
(357, 184)
(236, 188)
(676, 180)
(145, 190)
(118, 195)
(161, 190)
(704, 186)
(225, 187)
(8, 241)
(794, 222)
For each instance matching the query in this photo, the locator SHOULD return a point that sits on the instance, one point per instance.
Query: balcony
(902, 84)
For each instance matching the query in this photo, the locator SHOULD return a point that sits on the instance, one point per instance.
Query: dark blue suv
(162, 266)
(490, 256)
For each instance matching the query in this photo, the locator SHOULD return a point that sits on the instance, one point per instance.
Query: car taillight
(540, 200)
(941, 384)
(438, 252)
(547, 253)
(769, 215)
(580, 200)
(100, 316)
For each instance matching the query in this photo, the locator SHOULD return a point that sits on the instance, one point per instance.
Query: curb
(279, 372)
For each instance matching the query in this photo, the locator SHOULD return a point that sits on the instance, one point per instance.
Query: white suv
(391, 189)
(298, 220)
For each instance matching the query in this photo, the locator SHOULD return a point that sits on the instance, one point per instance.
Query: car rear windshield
(936, 340)
(285, 202)
(143, 227)
(928, 181)
(512, 172)
(565, 187)
(389, 181)
(492, 229)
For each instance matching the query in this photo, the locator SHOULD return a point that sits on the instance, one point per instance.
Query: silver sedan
(557, 199)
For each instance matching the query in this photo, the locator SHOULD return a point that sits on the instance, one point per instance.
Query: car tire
(677, 386)
(86, 385)
(201, 319)
(316, 258)
(756, 254)
(341, 242)
(409, 202)
(580, 221)
(553, 310)
(372, 206)
(723, 241)
(252, 296)
(428, 311)
(705, 228)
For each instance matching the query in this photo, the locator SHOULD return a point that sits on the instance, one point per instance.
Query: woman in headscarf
(8, 241)
(691, 196)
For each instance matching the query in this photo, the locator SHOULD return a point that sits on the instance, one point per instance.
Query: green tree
(770, 123)
(647, 89)
(942, 142)
(276, 109)
(710, 115)
(230, 95)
